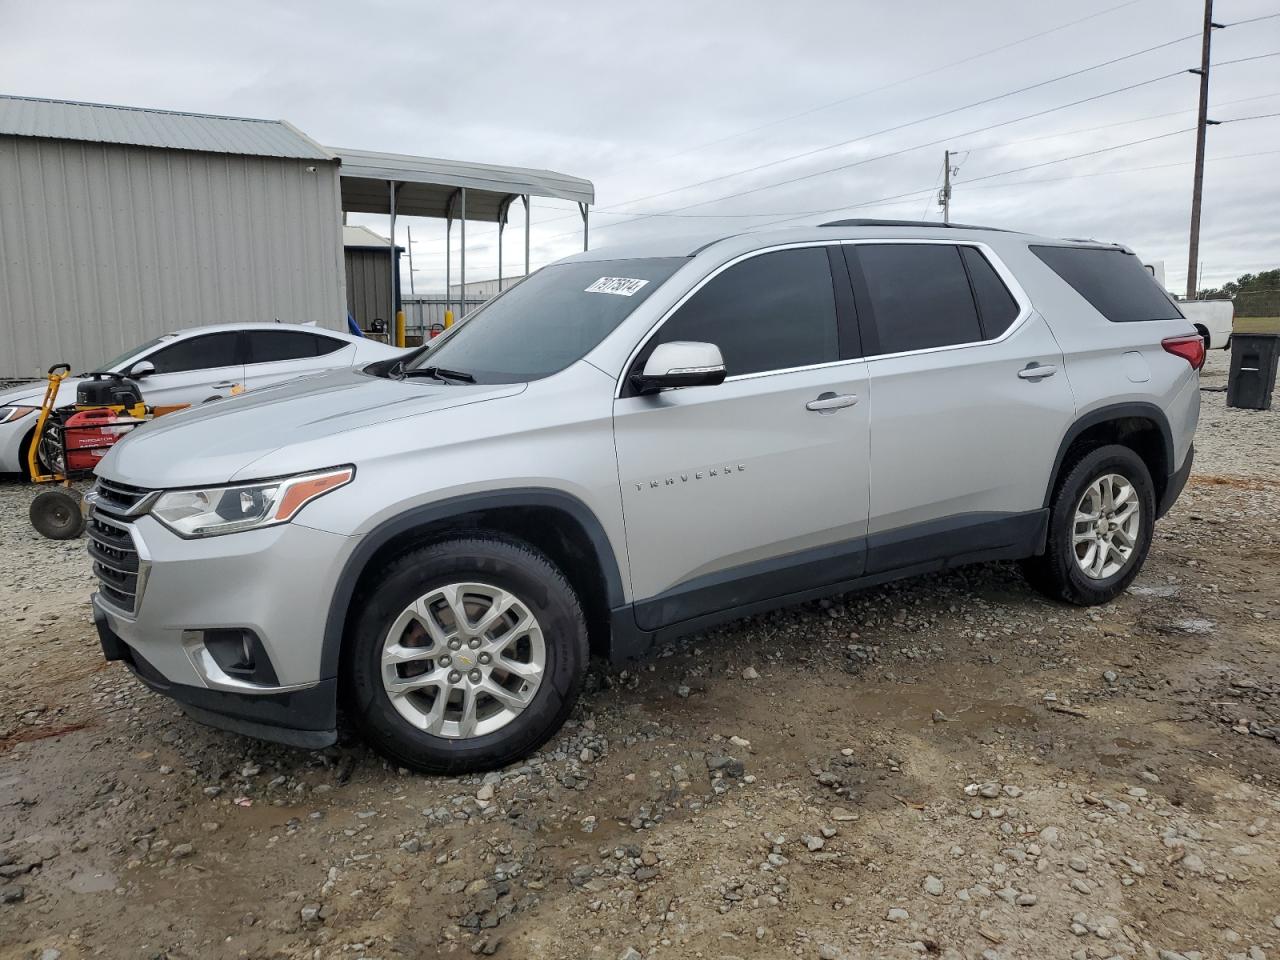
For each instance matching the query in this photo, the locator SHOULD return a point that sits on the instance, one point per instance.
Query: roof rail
(862, 222)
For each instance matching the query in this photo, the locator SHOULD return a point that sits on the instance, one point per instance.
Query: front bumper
(300, 717)
(270, 582)
(11, 437)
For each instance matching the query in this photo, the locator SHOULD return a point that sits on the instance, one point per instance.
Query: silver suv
(635, 444)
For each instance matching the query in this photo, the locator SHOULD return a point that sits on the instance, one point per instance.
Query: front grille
(116, 562)
(122, 499)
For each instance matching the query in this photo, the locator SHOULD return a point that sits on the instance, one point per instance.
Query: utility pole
(944, 196)
(1202, 123)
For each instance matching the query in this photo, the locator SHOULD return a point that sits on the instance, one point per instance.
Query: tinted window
(326, 344)
(548, 320)
(919, 295)
(996, 305)
(197, 353)
(769, 312)
(266, 346)
(1112, 280)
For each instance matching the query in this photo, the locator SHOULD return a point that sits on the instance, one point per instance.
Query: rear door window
(197, 353)
(1113, 281)
(773, 311)
(268, 346)
(918, 295)
(996, 307)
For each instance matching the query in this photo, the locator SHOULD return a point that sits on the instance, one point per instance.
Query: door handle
(1037, 371)
(224, 385)
(831, 402)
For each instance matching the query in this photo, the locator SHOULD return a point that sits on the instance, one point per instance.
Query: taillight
(1190, 348)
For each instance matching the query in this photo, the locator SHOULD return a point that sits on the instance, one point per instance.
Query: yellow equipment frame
(46, 408)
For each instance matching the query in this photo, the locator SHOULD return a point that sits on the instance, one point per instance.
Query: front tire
(467, 655)
(1100, 526)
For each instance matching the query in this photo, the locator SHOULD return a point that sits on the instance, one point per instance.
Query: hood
(30, 394)
(218, 441)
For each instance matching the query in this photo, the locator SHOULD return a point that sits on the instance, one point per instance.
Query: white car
(1213, 320)
(196, 365)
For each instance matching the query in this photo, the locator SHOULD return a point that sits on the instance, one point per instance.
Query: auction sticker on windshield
(620, 286)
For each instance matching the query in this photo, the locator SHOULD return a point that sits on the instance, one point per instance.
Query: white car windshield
(130, 355)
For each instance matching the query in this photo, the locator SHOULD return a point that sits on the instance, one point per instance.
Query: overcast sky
(645, 98)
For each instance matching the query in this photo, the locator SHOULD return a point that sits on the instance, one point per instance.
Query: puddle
(87, 882)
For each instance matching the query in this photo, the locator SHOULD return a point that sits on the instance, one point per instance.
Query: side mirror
(143, 368)
(681, 363)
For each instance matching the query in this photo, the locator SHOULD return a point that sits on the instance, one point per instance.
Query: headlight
(9, 414)
(217, 510)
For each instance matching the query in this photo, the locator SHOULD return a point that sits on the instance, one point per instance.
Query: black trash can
(1253, 370)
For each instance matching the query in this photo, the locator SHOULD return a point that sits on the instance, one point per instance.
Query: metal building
(369, 275)
(118, 224)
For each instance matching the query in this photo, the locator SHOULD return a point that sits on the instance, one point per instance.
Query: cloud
(645, 98)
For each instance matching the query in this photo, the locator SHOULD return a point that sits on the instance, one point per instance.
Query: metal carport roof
(428, 187)
(401, 185)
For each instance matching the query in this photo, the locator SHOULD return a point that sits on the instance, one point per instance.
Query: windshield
(131, 354)
(547, 321)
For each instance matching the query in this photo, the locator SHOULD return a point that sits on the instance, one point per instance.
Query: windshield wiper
(440, 373)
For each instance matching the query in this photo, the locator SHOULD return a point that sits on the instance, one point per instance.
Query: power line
(896, 83)
(893, 129)
(636, 217)
(1110, 149)
(1005, 173)
(1112, 173)
(1032, 166)
(846, 166)
(929, 191)
(955, 63)
(909, 123)
(1118, 123)
(1259, 56)
(675, 211)
(1240, 23)
(990, 186)
(606, 210)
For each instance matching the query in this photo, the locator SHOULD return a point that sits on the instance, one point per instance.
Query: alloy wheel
(463, 660)
(1108, 519)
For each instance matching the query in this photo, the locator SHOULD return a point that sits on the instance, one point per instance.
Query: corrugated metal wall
(103, 247)
(369, 285)
(422, 312)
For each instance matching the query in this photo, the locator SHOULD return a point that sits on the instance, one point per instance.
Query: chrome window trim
(1025, 309)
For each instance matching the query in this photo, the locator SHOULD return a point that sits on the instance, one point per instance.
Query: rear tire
(56, 514)
(1091, 561)
(406, 630)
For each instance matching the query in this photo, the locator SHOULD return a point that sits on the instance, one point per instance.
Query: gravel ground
(947, 767)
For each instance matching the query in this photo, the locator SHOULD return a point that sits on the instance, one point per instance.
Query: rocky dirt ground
(945, 767)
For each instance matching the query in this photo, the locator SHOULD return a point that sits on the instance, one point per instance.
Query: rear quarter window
(1114, 282)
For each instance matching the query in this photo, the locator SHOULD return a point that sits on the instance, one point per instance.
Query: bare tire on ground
(467, 655)
(1100, 525)
(56, 514)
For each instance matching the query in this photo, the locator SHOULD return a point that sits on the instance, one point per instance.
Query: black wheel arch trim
(436, 511)
(1117, 411)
